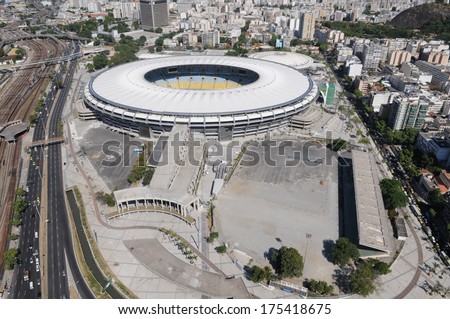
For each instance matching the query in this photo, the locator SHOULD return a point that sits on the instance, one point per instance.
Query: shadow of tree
(328, 246)
(270, 256)
(342, 278)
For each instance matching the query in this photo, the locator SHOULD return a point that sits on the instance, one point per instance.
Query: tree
(135, 25)
(362, 280)
(212, 236)
(257, 274)
(436, 200)
(100, 61)
(380, 267)
(9, 258)
(343, 252)
(320, 287)
(393, 195)
(337, 145)
(288, 262)
(90, 67)
(221, 249)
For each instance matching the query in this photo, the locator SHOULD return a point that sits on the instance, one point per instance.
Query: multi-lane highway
(29, 237)
(59, 241)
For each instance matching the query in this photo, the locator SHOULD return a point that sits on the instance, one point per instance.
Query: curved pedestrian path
(166, 265)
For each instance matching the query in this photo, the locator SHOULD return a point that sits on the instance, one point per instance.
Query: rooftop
(126, 87)
(372, 220)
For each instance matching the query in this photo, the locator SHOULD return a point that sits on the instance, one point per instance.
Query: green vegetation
(362, 280)
(19, 207)
(141, 171)
(319, 288)
(100, 61)
(337, 144)
(105, 198)
(20, 53)
(37, 109)
(60, 128)
(288, 262)
(13, 237)
(368, 30)
(9, 258)
(343, 252)
(436, 200)
(93, 284)
(222, 249)
(136, 174)
(259, 274)
(212, 236)
(82, 29)
(393, 195)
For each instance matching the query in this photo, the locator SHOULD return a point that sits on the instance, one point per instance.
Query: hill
(423, 15)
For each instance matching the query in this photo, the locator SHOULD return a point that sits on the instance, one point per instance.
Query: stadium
(219, 96)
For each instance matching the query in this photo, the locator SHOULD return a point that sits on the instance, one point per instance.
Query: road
(31, 217)
(59, 241)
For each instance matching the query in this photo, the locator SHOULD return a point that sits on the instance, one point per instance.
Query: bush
(105, 198)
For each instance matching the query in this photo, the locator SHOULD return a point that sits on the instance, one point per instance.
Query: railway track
(19, 98)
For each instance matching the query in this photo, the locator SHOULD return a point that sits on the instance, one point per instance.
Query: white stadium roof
(295, 60)
(124, 86)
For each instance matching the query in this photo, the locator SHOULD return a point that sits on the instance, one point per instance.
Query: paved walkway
(154, 256)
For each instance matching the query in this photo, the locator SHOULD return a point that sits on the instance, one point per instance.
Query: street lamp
(308, 237)
(35, 204)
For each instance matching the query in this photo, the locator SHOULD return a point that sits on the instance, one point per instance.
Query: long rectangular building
(373, 224)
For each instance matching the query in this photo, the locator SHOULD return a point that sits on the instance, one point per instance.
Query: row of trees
(19, 207)
(393, 195)
(180, 243)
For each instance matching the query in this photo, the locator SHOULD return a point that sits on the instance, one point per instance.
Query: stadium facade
(221, 97)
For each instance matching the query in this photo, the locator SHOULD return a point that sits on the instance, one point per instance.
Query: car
(64, 273)
(31, 260)
(38, 282)
(30, 247)
(36, 234)
(31, 285)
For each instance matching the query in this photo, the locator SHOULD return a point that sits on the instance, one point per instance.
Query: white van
(31, 285)
(36, 234)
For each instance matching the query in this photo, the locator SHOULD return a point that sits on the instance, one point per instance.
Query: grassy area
(87, 275)
(96, 252)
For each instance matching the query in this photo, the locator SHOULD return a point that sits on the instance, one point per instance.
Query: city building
(154, 13)
(398, 57)
(439, 75)
(211, 38)
(407, 112)
(377, 99)
(353, 66)
(371, 56)
(306, 25)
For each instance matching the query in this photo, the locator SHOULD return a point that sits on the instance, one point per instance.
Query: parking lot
(106, 151)
(265, 206)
